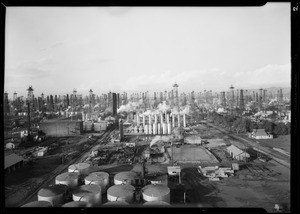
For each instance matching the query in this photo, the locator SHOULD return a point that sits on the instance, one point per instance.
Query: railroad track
(60, 169)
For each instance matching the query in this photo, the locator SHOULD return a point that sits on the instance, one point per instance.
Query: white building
(237, 153)
(260, 134)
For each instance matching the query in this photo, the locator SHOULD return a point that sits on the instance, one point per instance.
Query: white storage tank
(141, 129)
(156, 192)
(136, 130)
(164, 128)
(53, 194)
(68, 178)
(154, 129)
(77, 204)
(122, 192)
(169, 128)
(38, 204)
(88, 126)
(116, 204)
(89, 193)
(98, 178)
(158, 128)
(146, 129)
(82, 168)
(97, 127)
(150, 129)
(127, 177)
(156, 203)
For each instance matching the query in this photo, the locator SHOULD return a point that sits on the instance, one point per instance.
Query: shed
(237, 153)
(12, 162)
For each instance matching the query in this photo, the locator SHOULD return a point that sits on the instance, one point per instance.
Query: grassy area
(282, 141)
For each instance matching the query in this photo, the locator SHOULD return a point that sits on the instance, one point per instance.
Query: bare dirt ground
(282, 141)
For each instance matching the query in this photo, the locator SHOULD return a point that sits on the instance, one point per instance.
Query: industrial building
(59, 128)
(237, 153)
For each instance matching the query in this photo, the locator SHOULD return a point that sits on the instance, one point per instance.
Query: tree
(281, 129)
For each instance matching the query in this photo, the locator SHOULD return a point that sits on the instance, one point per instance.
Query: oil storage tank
(164, 128)
(77, 204)
(97, 127)
(89, 193)
(68, 178)
(122, 192)
(38, 204)
(127, 177)
(82, 168)
(146, 129)
(156, 203)
(53, 194)
(116, 204)
(156, 192)
(98, 178)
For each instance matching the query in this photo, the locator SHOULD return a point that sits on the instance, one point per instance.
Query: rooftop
(12, 159)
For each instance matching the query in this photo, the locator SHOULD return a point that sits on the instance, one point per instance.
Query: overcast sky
(57, 49)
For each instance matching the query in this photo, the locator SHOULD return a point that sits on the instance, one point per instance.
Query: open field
(282, 141)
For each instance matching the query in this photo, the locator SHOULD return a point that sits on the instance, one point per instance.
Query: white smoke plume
(129, 107)
(163, 107)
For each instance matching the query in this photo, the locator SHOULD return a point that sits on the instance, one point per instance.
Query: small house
(260, 134)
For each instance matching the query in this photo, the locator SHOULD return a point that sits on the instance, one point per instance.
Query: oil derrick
(91, 102)
(223, 99)
(265, 96)
(175, 89)
(121, 129)
(242, 104)
(237, 98)
(231, 104)
(256, 99)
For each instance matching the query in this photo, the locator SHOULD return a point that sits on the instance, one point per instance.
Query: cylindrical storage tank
(69, 179)
(123, 192)
(88, 126)
(184, 122)
(156, 203)
(141, 129)
(164, 128)
(154, 129)
(89, 193)
(150, 129)
(53, 194)
(125, 178)
(116, 204)
(77, 204)
(178, 120)
(38, 204)
(158, 128)
(97, 127)
(98, 178)
(144, 121)
(146, 129)
(82, 168)
(169, 128)
(137, 119)
(155, 119)
(156, 192)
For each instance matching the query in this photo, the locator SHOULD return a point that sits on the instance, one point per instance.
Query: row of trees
(243, 125)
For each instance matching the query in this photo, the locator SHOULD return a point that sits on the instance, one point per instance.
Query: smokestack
(178, 120)
(155, 119)
(150, 129)
(121, 129)
(161, 118)
(150, 122)
(169, 128)
(154, 128)
(184, 124)
(114, 104)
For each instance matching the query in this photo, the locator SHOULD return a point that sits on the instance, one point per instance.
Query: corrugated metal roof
(12, 159)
